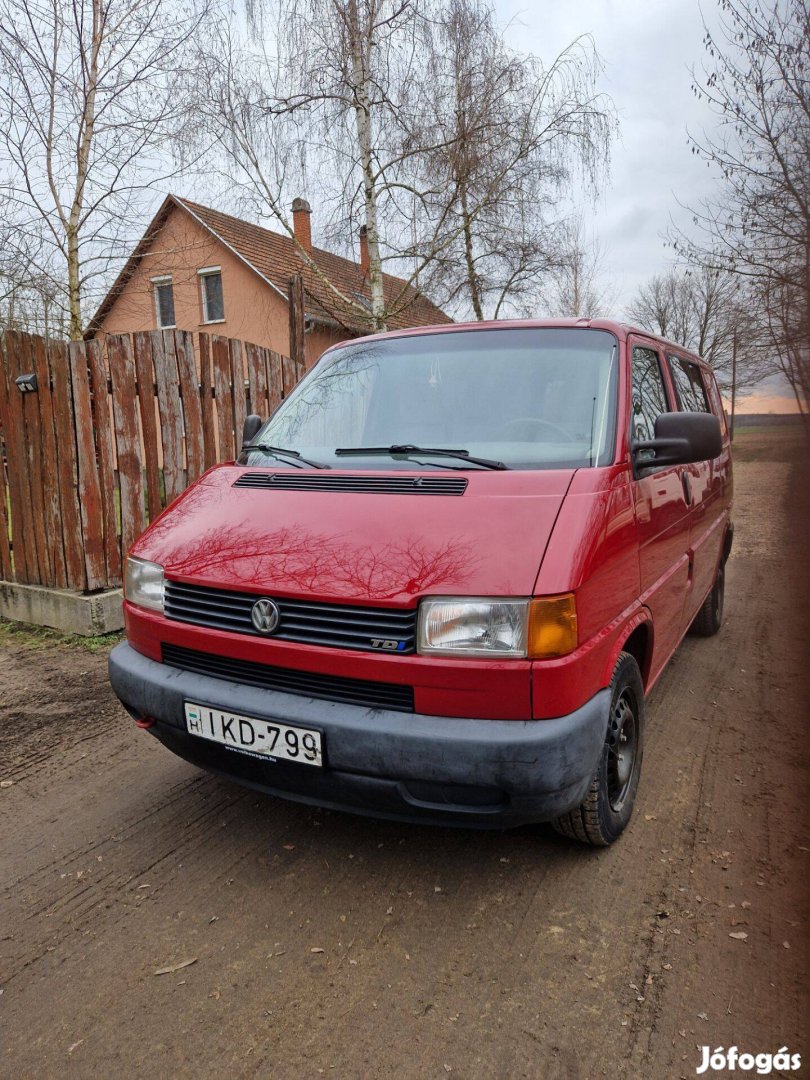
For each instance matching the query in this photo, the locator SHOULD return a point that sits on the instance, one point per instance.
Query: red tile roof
(274, 257)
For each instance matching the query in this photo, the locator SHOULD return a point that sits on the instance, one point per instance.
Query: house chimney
(364, 260)
(302, 228)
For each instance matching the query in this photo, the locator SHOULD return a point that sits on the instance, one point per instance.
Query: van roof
(622, 331)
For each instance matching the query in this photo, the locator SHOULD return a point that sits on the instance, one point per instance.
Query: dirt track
(336, 946)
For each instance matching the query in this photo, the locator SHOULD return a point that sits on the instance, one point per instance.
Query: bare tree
(664, 306)
(89, 96)
(325, 107)
(709, 312)
(756, 80)
(456, 177)
(28, 295)
(513, 129)
(575, 285)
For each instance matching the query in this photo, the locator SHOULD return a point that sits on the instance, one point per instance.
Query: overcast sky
(647, 49)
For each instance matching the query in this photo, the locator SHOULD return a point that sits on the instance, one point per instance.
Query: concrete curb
(61, 609)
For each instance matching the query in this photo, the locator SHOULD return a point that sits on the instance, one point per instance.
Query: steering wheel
(538, 422)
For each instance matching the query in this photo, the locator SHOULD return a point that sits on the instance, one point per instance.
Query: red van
(440, 580)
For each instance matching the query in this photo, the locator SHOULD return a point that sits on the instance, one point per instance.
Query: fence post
(296, 301)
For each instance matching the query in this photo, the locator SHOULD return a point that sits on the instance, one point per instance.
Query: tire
(607, 808)
(710, 617)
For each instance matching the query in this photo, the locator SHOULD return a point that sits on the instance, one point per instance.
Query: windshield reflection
(530, 397)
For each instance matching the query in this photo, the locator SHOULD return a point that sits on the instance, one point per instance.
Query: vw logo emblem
(264, 615)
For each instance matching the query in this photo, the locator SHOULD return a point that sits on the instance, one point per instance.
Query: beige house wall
(254, 310)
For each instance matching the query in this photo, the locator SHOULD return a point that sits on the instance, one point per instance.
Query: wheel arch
(728, 540)
(636, 638)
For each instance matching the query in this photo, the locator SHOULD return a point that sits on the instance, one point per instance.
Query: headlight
(540, 628)
(143, 584)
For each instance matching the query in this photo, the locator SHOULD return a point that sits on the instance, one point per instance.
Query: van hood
(360, 547)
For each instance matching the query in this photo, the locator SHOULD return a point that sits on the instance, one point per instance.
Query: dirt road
(326, 945)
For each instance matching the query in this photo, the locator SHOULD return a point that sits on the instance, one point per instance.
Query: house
(199, 269)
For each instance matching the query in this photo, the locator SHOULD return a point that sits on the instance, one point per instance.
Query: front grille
(340, 626)
(380, 485)
(373, 695)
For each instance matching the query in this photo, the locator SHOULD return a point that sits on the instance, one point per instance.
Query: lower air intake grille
(380, 485)
(373, 695)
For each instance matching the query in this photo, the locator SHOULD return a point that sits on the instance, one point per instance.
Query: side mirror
(680, 438)
(251, 428)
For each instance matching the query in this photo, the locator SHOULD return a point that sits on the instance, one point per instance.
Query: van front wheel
(608, 806)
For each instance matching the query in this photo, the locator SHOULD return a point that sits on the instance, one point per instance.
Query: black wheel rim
(622, 745)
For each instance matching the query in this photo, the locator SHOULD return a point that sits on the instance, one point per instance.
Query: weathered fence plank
(89, 484)
(192, 408)
(224, 396)
(12, 420)
(257, 379)
(67, 466)
(275, 379)
(207, 403)
(105, 459)
(171, 413)
(33, 439)
(6, 569)
(50, 475)
(288, 374)
(6, 565)
(239, 402)
(127, 438)
(144, 373)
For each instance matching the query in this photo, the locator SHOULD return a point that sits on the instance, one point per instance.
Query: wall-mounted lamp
(27, 384)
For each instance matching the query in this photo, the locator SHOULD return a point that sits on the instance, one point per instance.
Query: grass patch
(24, 636)
(782, 444)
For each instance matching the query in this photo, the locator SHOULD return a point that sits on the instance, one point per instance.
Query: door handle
(687, 487)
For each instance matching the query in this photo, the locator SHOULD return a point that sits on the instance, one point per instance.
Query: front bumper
(412, 767)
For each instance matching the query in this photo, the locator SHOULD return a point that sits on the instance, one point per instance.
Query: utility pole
(733, 380)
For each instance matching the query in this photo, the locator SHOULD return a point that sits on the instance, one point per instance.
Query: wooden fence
(114, 431)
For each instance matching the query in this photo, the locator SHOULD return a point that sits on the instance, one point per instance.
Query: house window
(164, 302)
(213, 305)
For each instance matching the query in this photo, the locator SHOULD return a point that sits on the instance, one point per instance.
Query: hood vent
(383, 485)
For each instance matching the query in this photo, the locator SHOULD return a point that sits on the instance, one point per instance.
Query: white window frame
(209, 271)
(162, 279)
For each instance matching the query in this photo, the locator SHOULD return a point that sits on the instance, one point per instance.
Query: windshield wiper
(408, 450)
(281, 453)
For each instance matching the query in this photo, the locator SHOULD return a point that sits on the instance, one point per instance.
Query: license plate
(265, 738)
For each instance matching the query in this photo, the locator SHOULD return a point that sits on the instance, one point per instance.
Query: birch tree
(515, 131)
(445, 157)
(89, 98)
(323, 106)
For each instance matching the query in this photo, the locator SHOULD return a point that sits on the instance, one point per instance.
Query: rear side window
(689, 385)
(716, 401)
(649, 398)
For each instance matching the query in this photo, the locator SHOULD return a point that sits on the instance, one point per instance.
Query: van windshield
(539, 398)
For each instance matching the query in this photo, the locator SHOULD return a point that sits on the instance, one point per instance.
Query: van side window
(715, 401)
(689, 385)
(649, 398)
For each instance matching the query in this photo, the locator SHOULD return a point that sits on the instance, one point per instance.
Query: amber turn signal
(552, 626)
